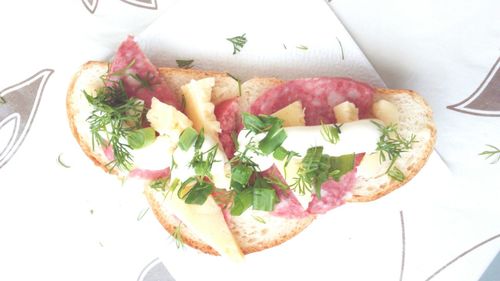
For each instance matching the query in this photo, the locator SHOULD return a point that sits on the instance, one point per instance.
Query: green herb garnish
(259, 219)
(187, 138)
(302, 47)
(495, 153)
(141, 137)
(331, 133)
(2, 100)
(238, 42)
(145, 82)
(390, 145)
(237, 81)
(186, 64)
(177, 235)
(142, 213)
(114, 116)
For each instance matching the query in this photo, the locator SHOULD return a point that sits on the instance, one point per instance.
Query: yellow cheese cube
(345, 112)
(292, 115)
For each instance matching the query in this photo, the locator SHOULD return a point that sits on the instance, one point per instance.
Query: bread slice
(255, 230)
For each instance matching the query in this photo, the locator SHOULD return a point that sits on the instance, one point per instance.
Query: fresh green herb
(61, 162)
(341, 48)
(241, 173)
(202, 165)
(186, 64)
(241, 202)
(396, 174)
(264, 198)
(277, 182)
(141, 214)
(316, 168)
(187, 138)
(237, 81)
(2, 100)
(173, 164)
(238, 42)
(259, 219)
(177, 235)
(199, 192)
(145, 82)
(302, 47)
(260, 124)
(494, 152)
(390, 145)
(331, 133)
(159, 185)
(141, 137)
(113, 117)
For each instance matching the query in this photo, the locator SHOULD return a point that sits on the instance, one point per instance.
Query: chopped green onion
(159, 184)
(187, 138)
(2, 100)
(199, 193)
(331, 133)
(261, 123)
(141, 137)
(396, 174)
(342, 164)
(280, 153)
(200, 139)
(259, 219)
(264, 199)
(274, 139)
(241, 174)
(242, 201)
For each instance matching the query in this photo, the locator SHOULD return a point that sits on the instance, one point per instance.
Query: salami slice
(332, 194)
(289, 206)
(318, 97)
(229, 117)
(140, 77)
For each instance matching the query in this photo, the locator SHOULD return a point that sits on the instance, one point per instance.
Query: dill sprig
(331, 133)
(113, 117)
(177, 236)
(390, 145)
(238, 42)
(495, 153)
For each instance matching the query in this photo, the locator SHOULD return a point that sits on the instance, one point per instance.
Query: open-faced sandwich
(237, 167)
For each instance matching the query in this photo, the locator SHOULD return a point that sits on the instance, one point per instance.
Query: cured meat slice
(289, 206)
(140, 77)
(332, 194)
(318, 97)
(149, 174)
(229, 117)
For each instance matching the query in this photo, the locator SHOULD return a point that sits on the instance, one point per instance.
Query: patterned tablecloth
(64, 219)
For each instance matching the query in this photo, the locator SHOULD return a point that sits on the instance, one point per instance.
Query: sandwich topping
(298, 149)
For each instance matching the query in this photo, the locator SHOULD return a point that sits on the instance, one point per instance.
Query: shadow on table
(492, 273)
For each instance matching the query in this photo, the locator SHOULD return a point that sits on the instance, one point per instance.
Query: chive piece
(340, 165)
(185, 187)
(187, 138)
(237, 81)
(141, 137)
(199, 140)
(199, 193)
(242, 201)
(341, 48)
(259, 219)
(302, 47)
(2, 100)
(331, 133)
(261, 123)
(274, 139)
(280, 153)
(241, 174)
(141, 214)
(264, 199)
(186, 64)
(396, 174)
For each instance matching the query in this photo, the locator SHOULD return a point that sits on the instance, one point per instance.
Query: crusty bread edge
(416, 167)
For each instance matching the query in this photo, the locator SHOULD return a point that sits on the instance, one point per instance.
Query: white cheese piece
(292, 115)
(385, 111)
(199, 108)
(207, 222)
(221, 176)
(155, 156)
(166, 119)
(345, 112)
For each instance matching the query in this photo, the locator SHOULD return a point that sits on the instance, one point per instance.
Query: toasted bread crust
(226, 87)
